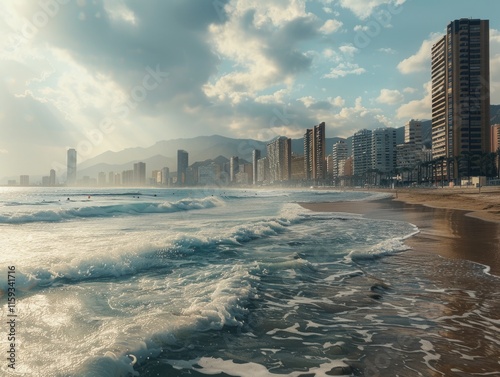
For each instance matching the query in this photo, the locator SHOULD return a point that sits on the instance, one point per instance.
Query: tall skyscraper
(52, 177)
(361, 152)
(255, 158)
(71, 168)
(461, 96)
(165, 176)
(234, 168)
(182, 165)
(315, 152)
(140, 173)
(279, 154)
(384, 149)
(24, 180)
(339, 155)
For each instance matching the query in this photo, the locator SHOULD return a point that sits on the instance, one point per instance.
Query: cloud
(387, 50)
(417, 109)
(421, 60)
(344, 69)
(4, 151)
(365, 8)
(350, 119)
(331, 26)
(313, 104)
(390, 97)
(409, 90)
(263, 42)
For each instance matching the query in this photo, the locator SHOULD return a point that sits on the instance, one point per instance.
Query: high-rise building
(495, 137)
(361, 152)
(409, 154)
(461, 96)
(182, 165)
(384, 149)
(52, 177)
(101, 179)
(140, 173)
(71, 168)
(234, 167)
(413, 133)
(165, 176)
(111, 178)
(279, 154)
(315, 152)
(128, 178)
(339, 155)
(263, 170)
(24, 180)
(255, 158)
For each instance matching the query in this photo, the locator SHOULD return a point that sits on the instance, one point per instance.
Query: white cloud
(331, 26)
(365, 8)
(361, 28)
(4, 151)
(349, 119)
(417, 109)
(275, 98)
(348, 50)
(337, 101)
(390, 97)
(387, 50)
(344, 69)
(421, 60)
(260, 38)
(312, 103)
(409, 90)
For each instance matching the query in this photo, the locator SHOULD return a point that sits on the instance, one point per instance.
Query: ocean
(230, 282)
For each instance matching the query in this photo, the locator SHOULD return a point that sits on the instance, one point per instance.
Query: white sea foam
(211, 366)
(92, 211)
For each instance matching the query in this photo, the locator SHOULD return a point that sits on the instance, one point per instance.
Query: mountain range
(202, 149)
(164, 153)
(206, 148)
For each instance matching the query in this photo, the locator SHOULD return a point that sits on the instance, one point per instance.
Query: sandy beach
(457, 243)
(453, 223)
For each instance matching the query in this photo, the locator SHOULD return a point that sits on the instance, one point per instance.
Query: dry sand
(482, 203)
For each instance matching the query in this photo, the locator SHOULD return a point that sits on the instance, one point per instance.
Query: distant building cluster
(463, 142)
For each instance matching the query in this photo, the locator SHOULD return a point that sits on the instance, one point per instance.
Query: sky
(100, 75)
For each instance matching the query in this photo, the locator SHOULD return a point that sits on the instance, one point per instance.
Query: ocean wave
(139, 208)
(143, 258)
(384, 248)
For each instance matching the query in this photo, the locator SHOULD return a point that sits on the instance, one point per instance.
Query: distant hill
(201, 149)
(204, 149)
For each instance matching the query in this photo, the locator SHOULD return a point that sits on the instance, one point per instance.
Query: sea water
(219, 282)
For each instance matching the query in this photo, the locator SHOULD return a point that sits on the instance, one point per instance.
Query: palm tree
(449, 168)
(498, 162)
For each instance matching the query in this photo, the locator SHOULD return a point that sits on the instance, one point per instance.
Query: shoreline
(453, 233)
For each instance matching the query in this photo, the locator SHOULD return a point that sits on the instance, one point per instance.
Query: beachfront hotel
(461, 97)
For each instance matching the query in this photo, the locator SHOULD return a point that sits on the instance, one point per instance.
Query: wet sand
(450, 233)
(443, 279)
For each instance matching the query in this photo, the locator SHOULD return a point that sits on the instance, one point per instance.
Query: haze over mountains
(201, 148)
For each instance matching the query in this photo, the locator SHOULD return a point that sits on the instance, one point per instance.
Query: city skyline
(118, 78)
